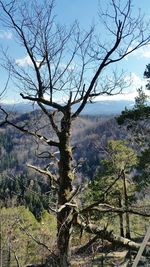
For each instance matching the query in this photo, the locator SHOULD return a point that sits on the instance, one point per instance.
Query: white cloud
(124, 96)
(26, 61)
(136, 82)
(129, 93)
(144, 52)
(6, 35)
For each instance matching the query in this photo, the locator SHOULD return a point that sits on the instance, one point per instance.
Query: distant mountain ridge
(106, 107)
(110, 107)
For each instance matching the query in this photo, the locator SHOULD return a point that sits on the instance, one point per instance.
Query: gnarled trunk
(65, 214)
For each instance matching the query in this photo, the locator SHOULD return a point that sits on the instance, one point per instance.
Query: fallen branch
(111, 237)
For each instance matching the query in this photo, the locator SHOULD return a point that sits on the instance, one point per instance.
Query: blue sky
(85, 11)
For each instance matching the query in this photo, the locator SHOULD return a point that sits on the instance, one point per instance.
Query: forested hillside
(23, 186)
(89, 137)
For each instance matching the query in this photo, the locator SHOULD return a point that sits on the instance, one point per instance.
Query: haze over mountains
(106, 107)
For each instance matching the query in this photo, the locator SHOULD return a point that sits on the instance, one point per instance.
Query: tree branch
(26, 131)
(51, 118)
(45, 172)
(101, 198)
(43, 101)
(108, 208)
(33, 238)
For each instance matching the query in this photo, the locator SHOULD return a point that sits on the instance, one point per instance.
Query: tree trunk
(120, 218)
(128, 235)
(65, 212)
(9, 256)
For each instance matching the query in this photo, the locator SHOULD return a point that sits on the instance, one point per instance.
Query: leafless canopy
(68, 64)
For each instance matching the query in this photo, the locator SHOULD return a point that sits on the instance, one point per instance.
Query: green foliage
(142, 179)
(140, 110)
(137, 120)
(120, 155)
(23, 190)
(48, 223)
(6, 142)
(141, 99)
(108, 186)
(8, 157)
(19, 227)
(134, 114)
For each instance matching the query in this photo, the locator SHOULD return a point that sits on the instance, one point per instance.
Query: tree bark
(128, 234)
(65, 212)
(121, 218)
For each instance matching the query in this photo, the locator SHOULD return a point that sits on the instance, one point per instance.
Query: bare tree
(68, 65)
